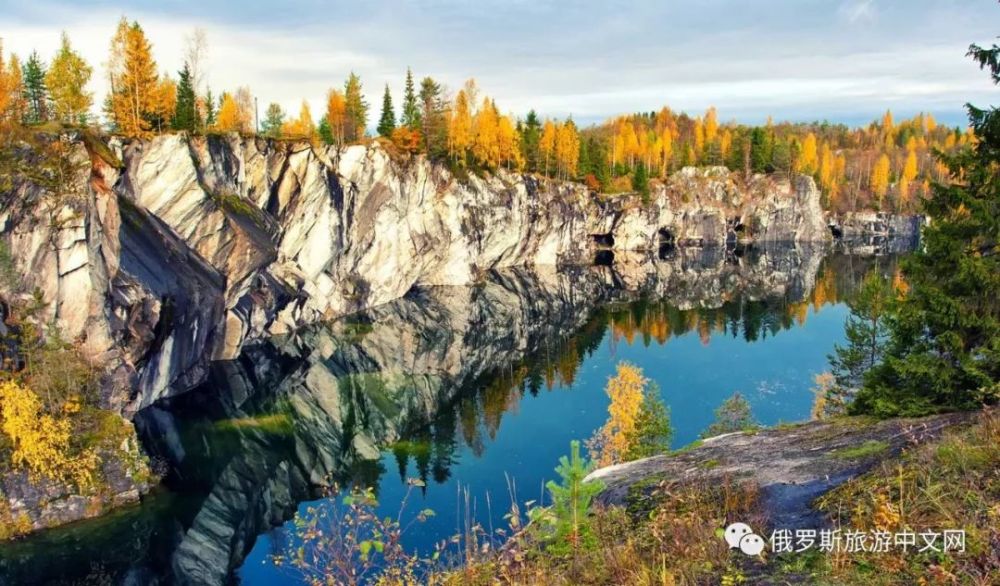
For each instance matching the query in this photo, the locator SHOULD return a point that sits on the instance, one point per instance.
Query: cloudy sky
(841, 60)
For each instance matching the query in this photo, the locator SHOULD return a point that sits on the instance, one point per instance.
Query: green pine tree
(944, 348)
(35, 93)
(186, 111)
(411, 110)
(867, 332)
(324, 131)
(733, 415)
(210, 108)
(432, 121)
(357, 108)
(571, 498)
(640, 180)
(274, 119)
(652, 426)
(387, 121)
(531, 132)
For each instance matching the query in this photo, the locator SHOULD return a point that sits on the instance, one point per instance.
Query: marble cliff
(167, 254)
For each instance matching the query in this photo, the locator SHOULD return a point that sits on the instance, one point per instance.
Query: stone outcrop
(176, 251)
(30, 504)
(792, 466)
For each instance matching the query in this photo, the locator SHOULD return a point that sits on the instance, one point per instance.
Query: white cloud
(855, 11)
(790, 59)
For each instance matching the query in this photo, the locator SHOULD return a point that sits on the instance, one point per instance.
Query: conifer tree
(411, 109)
(324, 131)
(867, 332)
(356, 109)
(274, 119)
(387, 121)
(210, 109)
(944, 348)
(531, 132)
(35, 92)
(432, 120)
(186, 112)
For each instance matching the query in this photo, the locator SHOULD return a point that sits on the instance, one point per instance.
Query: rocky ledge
(792, 465)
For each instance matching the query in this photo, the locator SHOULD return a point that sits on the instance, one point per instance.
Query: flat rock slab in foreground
(792, 465)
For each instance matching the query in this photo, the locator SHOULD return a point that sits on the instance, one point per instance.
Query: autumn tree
(711, 125)
(356, 109)
(460, 128)
(547, 145)
(625, 390)
(36, 94)
(486, 141)
(808, 160)
(164, 103)
(567, 149)
(879, 181)
(233, 116)
(638, 424)
(12, 106)
(909, 173)
(303, 126)
(510, 144)
(387, 121)
(67, 80)
(135, 89)
(336, 116)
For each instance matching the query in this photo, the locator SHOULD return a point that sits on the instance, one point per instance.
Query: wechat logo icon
(741, 536)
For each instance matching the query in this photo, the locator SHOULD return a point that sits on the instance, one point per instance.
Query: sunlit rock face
(186, 248)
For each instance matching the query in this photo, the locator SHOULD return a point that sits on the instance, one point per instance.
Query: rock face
(33, 504)
(358, 384)
(176, 251)
(270, 429)
(792, 466)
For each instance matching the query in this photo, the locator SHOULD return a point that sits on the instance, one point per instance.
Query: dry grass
(950, 484)
(671, 537)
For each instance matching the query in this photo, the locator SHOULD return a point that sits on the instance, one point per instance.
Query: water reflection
(429, 378)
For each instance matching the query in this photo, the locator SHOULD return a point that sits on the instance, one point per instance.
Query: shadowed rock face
(294, 412)
(194, 246)
(319, 404)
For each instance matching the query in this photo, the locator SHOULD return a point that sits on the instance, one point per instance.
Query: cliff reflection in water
(423, 376)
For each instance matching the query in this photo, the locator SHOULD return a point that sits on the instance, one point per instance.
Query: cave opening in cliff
(604, 240)
(667, 243)
(604, 258)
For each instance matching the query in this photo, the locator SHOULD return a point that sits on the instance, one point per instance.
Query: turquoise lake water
(469, 389)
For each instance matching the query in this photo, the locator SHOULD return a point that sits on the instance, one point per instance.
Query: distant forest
(886, 165)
